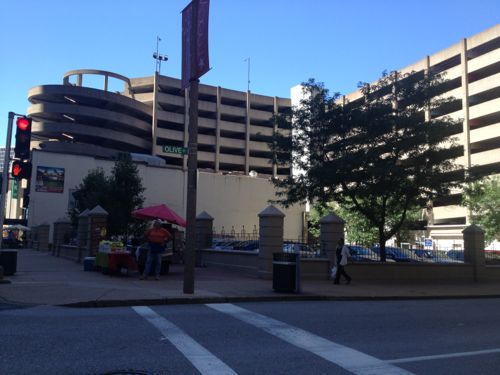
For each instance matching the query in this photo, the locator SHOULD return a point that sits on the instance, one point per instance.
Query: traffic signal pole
(5, 173)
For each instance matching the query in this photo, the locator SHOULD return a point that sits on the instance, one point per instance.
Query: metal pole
(5, 174)
(189, 256)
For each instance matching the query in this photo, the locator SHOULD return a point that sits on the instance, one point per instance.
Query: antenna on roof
(248, 73)
(157, 56)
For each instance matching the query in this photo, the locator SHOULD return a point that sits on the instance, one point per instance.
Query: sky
(336, 42)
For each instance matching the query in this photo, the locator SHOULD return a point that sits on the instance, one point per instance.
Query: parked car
(424, 255)
(398, 254)
(434, 256)
(247, 245)
(456, 254)
(306, 251)
(362, 254)
(225, 244)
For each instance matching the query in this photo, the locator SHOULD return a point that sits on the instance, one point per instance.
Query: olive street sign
(175, 150)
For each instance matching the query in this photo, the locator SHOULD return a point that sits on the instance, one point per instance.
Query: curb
(291, 298)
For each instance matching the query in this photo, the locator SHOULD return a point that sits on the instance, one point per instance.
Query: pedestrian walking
(157, 239)
(342, 253)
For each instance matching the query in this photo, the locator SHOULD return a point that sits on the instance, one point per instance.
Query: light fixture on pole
(158, 56)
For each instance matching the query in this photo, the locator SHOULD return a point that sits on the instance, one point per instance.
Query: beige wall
(231, 200)
(237, 200)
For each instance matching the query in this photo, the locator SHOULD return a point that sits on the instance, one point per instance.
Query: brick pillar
(271, 222)
(97, 229)
(82, 229)
(62, 227)
(204, 233)
(331, 230)
(43, 231)
(474, 249)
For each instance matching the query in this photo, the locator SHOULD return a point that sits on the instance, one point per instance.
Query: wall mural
(49, 179)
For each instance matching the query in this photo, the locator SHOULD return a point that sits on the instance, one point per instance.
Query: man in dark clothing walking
(342, 253)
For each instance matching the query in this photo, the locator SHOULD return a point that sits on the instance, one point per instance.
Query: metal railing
(492, 257)
(243, 234)
(414, 254)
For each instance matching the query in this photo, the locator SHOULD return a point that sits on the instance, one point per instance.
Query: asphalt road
(335, 337)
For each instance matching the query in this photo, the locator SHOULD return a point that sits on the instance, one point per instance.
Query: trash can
(8, 260)
(285, 272)
(89, 264)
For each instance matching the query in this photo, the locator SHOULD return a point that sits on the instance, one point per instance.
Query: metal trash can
(8, 260)
(285, 272)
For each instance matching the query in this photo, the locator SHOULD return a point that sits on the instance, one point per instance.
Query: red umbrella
(160, 211)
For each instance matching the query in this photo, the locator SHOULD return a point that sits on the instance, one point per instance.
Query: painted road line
(443, 356)
(343, 356)
(204, 361)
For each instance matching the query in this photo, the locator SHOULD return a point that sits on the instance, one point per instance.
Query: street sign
(175, 150)
(428, 242)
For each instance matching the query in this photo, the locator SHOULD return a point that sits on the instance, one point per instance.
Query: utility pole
(5, 173)
(192, 163)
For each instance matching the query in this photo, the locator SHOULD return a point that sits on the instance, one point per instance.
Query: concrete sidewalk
(43, 279)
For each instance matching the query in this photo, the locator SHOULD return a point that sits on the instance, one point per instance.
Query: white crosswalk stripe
(350, 359)
(204, 361)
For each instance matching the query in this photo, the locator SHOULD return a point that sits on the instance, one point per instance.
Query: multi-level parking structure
(234, 127)
(73, 118)
(472, 68)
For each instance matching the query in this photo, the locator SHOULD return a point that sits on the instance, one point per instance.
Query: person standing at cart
(157, 238)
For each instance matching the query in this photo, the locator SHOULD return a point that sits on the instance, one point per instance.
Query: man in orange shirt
(157, 238)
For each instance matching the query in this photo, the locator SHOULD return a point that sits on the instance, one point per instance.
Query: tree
(126, 194)
(483, 200)
(358, 229)
(379, 154)
(92, 191)
(119, 194)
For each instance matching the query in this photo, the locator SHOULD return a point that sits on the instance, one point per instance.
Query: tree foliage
(483, 200)
(119, 194)
(379, 154)
(359, 230)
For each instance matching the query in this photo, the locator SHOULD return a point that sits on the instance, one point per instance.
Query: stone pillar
(97, 229)
(83, 225)
(62, 227)
(474, 249)
(43, 231)
(204, 233)
(271, 222)
(331, 230)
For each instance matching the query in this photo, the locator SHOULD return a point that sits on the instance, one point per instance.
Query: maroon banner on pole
(200, 60)
(186, 44)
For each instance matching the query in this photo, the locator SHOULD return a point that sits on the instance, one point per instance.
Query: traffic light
(23, 138)
(26, 198)
(21, 169)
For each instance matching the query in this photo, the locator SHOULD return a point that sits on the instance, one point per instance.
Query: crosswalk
(205, 362)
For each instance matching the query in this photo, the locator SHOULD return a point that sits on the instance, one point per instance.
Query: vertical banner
(186, 44)
(200, 59)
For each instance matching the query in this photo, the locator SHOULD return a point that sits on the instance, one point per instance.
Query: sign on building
(175, 150)
(49, 179)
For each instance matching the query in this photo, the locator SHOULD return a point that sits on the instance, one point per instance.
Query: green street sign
(175, 150)
(15, 189)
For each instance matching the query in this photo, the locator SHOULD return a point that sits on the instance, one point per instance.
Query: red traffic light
(23, 123)
(16, 170)
(23, 138)
(21, 169)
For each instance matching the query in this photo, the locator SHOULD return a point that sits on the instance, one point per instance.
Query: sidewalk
(43, 279)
